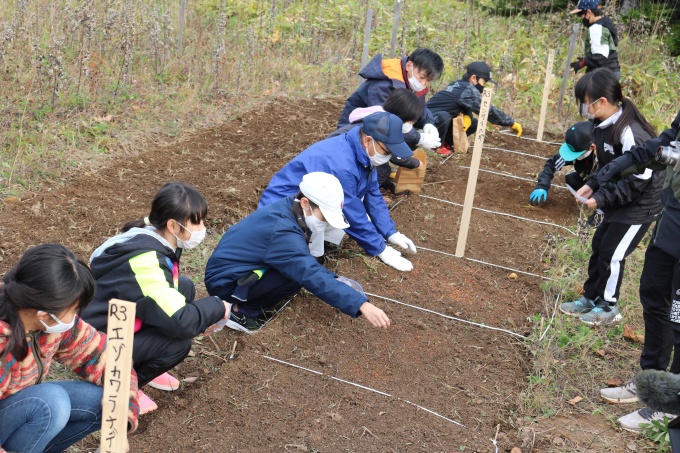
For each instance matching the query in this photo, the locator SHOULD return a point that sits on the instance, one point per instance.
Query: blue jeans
(50, 416)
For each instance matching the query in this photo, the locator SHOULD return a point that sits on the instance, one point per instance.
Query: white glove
(429, 141)
(430, 129)
(393, 258)
(402, 241)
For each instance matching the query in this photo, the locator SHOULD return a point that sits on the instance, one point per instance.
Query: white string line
(516, 152)
(552, 318)
(484, 262)
(502, 213)
(447, 316)
(512, 176)
(507, 132)
(363, 387)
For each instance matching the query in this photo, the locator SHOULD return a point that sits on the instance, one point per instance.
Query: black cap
(577, 140)
(481, 70)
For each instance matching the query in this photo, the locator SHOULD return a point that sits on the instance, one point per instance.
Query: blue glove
(538, 196)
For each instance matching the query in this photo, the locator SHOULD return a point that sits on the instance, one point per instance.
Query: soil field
(422, 378)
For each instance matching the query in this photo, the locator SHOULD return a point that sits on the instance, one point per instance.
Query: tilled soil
(416, 382)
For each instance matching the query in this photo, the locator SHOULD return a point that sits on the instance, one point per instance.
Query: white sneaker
(627, 393)
(632, 421)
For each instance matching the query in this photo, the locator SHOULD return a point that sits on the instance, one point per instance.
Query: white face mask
(415, 84)
(406, 128)
(59, 327)
(193, 241)
(317, 227)
(378, 159)
(584, 110)
(584, 155)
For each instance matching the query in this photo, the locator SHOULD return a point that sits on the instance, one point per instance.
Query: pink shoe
(146, 404)
(165, 382)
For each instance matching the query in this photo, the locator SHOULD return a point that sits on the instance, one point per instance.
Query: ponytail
(174, 200)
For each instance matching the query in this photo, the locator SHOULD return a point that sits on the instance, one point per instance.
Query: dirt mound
(460, 372)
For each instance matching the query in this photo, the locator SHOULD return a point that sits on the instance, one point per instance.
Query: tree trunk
(627, 5)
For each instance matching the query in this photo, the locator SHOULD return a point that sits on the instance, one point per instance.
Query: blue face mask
(59, 327)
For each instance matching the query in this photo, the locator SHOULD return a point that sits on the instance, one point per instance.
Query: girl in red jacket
(39, 301)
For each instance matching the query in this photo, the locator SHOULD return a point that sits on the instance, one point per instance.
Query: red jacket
(80, 349)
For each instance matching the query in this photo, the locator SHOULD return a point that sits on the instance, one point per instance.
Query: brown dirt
(465, 373)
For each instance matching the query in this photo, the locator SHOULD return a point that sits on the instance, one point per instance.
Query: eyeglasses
(385, 151)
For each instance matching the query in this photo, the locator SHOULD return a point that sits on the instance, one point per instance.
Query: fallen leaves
(614, 382)
(575, 400)
(630, 334)
(512, 276)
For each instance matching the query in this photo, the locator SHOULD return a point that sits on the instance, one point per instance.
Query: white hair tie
(147, 222)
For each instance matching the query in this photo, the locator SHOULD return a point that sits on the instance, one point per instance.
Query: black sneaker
(243, 323)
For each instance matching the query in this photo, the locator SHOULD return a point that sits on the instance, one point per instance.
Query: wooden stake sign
(474, 170)
(115, 403)
(546, 93)
(412, 179)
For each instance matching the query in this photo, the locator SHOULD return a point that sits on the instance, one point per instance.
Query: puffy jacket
(463, 97)
(601, 46)
(270, 238)
(140, 266)
(668, 223)
(345, 158)
(383, 76)
(635, 199)
(583, 168)
(80, 349)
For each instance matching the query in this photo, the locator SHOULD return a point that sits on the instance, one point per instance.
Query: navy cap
(480, 69)
(585, 4)
(386, 128)
(577, 140)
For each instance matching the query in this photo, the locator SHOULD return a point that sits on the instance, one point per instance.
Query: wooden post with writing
(546, 94)
(115, 403)
(474, 170)
(567, 67)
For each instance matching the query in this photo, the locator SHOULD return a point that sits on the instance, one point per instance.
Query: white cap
(325, 191)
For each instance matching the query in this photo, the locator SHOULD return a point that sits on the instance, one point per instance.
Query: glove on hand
(402, 241)
(393, 258)
(517, 128)
(430, 129)
(538, 196)
(429, 141)
(577, 65)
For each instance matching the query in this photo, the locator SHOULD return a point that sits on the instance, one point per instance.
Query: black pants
(271, 289)
(383, 172)
(612, 243)
(659, 286)
(154, 353)
(442, 121)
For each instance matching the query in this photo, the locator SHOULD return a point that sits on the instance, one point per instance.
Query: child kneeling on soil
(142, 265)
(39, 303)
(404, 104)
(268, 256)
(577, 150)
(629, 206)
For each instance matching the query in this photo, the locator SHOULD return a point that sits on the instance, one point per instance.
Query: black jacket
(601, 46)
(635, 199)
(137, 267)
(462, 97)
(583, 168)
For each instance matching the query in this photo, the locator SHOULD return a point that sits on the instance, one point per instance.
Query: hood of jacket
(124, 246)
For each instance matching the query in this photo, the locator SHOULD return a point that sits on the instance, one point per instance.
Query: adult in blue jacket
(266, 257)
(352, 157)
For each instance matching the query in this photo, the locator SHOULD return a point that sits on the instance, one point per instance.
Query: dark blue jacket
(270, 238)
(345, 158)
(377, 87)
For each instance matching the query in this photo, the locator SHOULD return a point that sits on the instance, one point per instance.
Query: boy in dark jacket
(464, 97)
(414, 72)
(577, 150)
(602, 39)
